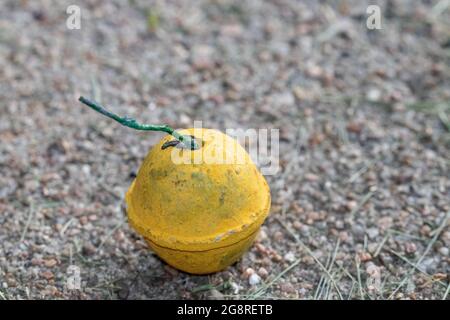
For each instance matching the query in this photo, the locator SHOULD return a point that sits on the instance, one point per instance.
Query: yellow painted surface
(198, 212)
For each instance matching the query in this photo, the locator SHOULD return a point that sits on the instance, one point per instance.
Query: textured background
(359, 206)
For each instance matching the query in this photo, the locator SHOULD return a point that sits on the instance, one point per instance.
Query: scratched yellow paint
(199, 210)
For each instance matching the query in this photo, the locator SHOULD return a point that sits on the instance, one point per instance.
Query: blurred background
(361, 203)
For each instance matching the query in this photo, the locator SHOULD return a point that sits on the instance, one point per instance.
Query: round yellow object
(199, 210)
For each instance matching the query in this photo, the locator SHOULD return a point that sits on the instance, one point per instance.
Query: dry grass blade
(350, 293)
(361, 203)
(428, 248)
(110, 233)
(2, 296)
(266, 286)
(300, 242)
(329, 267)
(358, 274)
(96, 92)
(407, 236)
(416, 267)
(446, 292)
(27, 224)
(439, 8)
(111, 192)
(250, 296)
(66, 226)
(444, 119)
(382, 243)
(322, 279)
(358, 173)
(354, 281)
(342, 130)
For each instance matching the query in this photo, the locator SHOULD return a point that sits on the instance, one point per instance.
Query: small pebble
(372, 233)
(444, 251)
(343, 236)
(339, 224)
(287, 288)
(47, 275)
(308, 260)
(262, 235)
(278, 236)
(50, 263)
(202, 57)
(365, 256)
(290, 257)
(425, 230)
(297, 225)
(254, 279)
(263, 272)
(373, 94)
(84, 220)
(372, 247)
(11, 282)
(351, 205)
(119, 236)
(88, 249)
(248, 272)
(410, 247)
(373, 270)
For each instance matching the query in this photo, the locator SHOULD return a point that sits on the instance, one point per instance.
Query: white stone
(254, 279)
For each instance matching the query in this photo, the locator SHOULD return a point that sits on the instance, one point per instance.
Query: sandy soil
(361, 203)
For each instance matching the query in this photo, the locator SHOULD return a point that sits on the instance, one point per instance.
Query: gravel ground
(360, 206)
